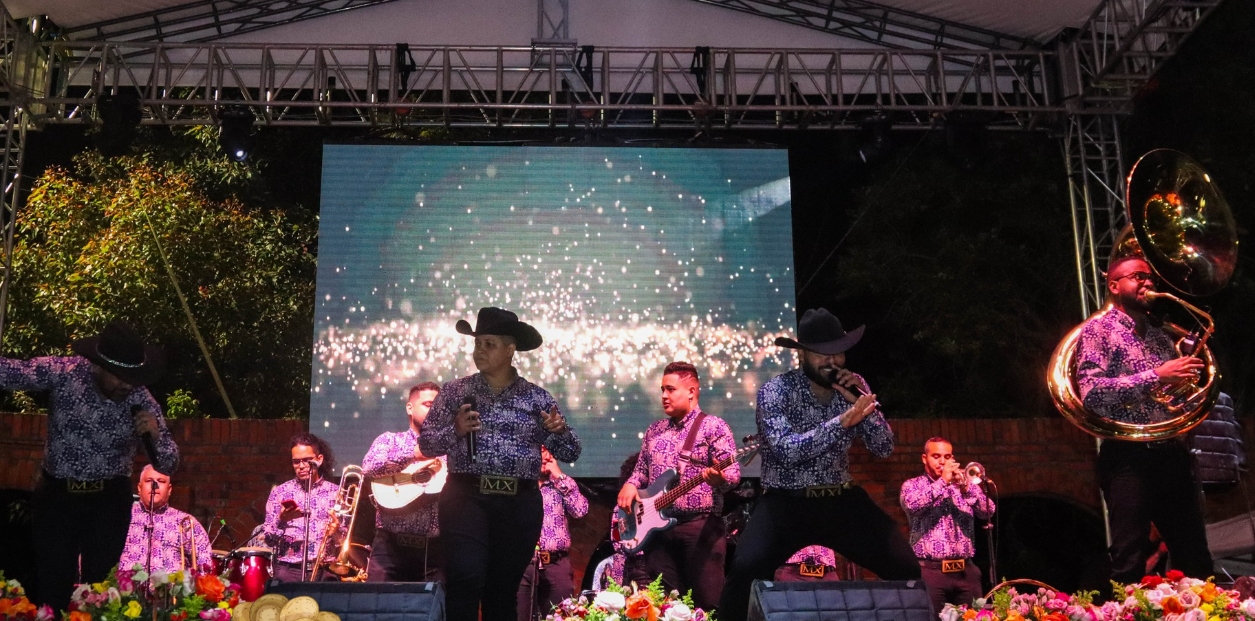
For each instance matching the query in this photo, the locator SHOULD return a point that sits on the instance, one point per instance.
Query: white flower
(114, 595)
(612, 617)
(160, 577)
(1190, 599)
(611, 600)
(81, 592)
(1154, 595)
(678, 612)
(1248, 607)
(950, 613)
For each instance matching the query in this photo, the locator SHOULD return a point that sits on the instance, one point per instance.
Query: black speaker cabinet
(840, 601)
(371, 601)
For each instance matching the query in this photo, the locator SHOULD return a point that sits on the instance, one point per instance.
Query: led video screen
(623, 258)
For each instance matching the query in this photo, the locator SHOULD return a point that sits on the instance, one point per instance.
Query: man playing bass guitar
(690, 555)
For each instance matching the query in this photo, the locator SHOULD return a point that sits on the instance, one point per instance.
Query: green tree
(89, 250)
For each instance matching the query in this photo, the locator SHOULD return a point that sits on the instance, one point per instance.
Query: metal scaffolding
(372, 85)
(924, 68)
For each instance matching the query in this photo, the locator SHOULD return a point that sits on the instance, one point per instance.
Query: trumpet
(344, 508)
(975, 473)
(187, 537)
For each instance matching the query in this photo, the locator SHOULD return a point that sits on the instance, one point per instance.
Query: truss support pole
(16, 58)
(1095, 169)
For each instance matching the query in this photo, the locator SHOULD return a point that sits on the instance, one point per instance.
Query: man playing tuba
(1122, 356)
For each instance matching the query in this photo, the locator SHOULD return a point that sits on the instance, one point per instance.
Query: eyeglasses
(303, 460)
(1145, 277)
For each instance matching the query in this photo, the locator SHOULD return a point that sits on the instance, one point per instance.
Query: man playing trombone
(942, 506)
(178, 541)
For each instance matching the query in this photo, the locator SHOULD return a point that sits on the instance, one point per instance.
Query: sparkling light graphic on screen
(624, 259)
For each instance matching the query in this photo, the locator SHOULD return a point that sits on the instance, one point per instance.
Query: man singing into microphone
(492, 425)
(1122, 355)
(942, 506)
(98, 412)
(808, 418)
(175, 534)
(309, 496)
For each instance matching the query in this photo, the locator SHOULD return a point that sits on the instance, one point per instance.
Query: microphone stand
(309, 487)
(989, 537)
(148, 563)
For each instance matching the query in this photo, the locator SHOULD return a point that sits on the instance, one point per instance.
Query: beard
(824, 376)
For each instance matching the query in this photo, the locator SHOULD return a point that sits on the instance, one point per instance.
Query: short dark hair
(683, 369)
(937, 439)
(320, 447)
(417, 388)
(1121, 261)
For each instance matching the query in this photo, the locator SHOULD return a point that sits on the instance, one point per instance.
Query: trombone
(187, 543)
(343, 510)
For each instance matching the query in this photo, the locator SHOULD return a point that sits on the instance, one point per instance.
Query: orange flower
(1208, 593)
(79, 615)
(639, 607)
(1055, 616)
(1171, 605)
(208, 586)
(5, 606)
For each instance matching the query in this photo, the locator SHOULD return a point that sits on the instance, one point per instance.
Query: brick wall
(228, 467)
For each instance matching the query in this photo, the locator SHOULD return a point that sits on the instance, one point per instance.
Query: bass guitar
(632, 530)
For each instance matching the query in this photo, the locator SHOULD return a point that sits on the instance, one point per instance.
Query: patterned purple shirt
(660, 451)
(1116, 367)
(562, 498)
(171, 548)
(286, 538)
(90, 437)
(509, 442)
(803, 444)
(814, 555)
(390, 454)
(942, 517)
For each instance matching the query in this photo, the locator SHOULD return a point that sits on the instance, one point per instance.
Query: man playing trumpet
(942, 506)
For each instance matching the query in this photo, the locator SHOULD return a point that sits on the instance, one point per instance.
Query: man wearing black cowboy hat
(807, 419)
(98, 410)
(492, 425)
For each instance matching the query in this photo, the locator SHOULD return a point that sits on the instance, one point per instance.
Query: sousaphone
(1182, 226)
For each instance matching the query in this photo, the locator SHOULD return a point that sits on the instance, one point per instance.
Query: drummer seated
(811, 564)
(178, 541)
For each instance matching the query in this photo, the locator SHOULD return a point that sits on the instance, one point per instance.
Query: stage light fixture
(235, 132)
(120, 116)
(876, 142)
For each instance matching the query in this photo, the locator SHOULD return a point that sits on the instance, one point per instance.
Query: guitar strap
(686, 452)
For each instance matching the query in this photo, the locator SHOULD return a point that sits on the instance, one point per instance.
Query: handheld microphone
(470, 436)
(150, 446)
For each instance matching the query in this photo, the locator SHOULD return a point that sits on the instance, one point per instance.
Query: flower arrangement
(129, 594)
(1172, 597)
(630, 603)
(14, 606)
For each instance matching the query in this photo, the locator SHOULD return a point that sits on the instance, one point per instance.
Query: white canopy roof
(637, 23)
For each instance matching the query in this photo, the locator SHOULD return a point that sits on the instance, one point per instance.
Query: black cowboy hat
(119, 350)
(820, 331)
(500, 322)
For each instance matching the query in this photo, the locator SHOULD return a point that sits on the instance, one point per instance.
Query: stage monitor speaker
(840, 601)
(371, 601)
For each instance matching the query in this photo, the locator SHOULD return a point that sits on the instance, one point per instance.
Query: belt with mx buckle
(84, 487)
(953, 566)
(826, 491)
(493, 484)
(812, 571)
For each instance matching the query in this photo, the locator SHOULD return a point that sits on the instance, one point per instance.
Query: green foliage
(181, 404)
(89, 250)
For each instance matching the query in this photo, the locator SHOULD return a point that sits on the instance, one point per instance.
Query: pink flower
(45, 613)
(216, 614)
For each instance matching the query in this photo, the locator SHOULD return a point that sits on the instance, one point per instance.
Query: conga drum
(250, 568)
(218, 562)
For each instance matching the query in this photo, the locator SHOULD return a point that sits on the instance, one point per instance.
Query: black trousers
(488, 541)
(689, 556)
(850, 523)
(544, 586)
(958, 587)
(67, 525)
(404, 558)
(1153, 482)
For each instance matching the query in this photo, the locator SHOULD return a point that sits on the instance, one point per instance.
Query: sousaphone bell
(1180, 223)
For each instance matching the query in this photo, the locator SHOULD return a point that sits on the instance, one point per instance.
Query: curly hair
(320, 447)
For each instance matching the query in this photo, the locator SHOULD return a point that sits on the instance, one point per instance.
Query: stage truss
(1081, 86)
